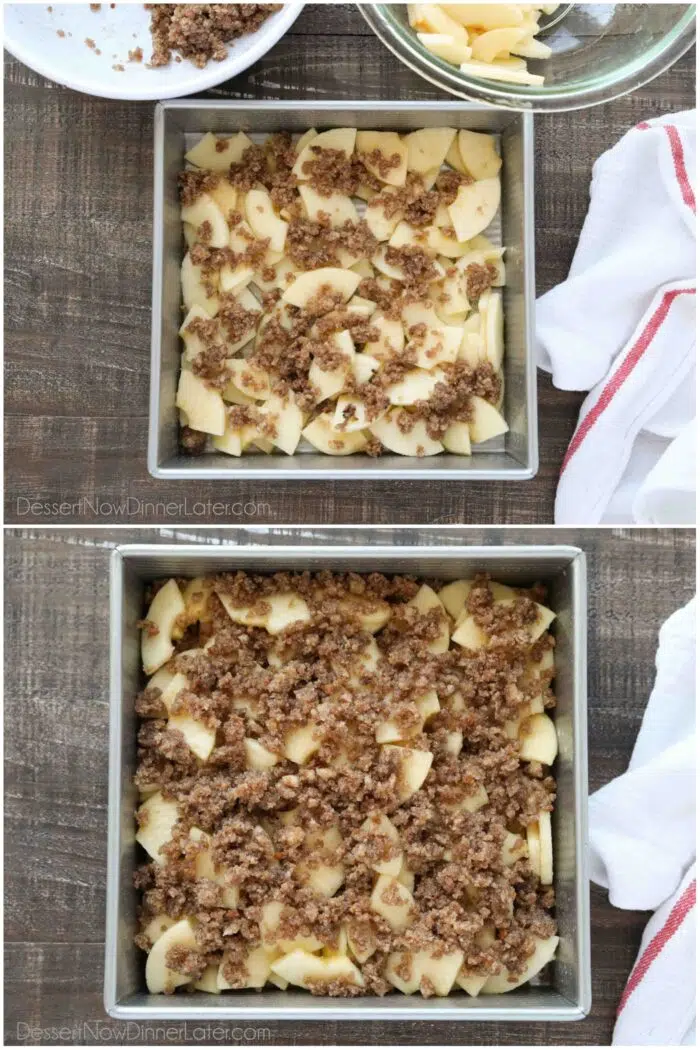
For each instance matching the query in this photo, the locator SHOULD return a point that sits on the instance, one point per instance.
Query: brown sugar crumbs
(337, 366)
(340, 787)
(202, 32)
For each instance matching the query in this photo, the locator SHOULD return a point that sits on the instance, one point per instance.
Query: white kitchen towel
(622, 326)
(642, 834)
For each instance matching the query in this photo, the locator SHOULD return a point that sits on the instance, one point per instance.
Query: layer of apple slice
(256, 970)
(381, 224)
(276, 613)
(156, 637)
(432, 18)
(426, 602)
(406, 970)
(205, 868)
(393, 902)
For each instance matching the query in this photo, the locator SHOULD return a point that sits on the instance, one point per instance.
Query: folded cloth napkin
(642, 834)
(622, 326)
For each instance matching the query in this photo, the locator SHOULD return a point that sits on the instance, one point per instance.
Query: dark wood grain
(78, 284)
(56, 716)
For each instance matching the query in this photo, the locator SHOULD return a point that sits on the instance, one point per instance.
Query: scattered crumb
(136, 55)
(61, 33)
(95, 7)
(118, 68)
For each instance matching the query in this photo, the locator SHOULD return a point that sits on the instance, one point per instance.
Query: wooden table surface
(78, 287)
(56, 716)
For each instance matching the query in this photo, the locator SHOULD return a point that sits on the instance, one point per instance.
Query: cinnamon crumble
(345, 784)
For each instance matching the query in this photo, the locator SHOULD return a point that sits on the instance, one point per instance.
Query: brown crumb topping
(269, 830)
(202, 32)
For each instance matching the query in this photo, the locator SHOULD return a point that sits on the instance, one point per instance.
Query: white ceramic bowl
(32, 36)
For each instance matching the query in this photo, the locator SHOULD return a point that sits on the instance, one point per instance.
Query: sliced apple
(371, 613)
(309, 971)
(446, 47)
(432, 18)
(337, 206)
(500, 71)
(307, 286)
(363, 367)
(163, 612)
(271, 916)
(203, 405)
(200, 738)
(225, 196)
(265, 224)
(479, 155)
(350, 415)
(440, 346)
(193, 291)
(474, 207)
(414, 767)
(257, 756)
(157, 926)
(384, 154)
(159, 978)
(415, 442)
(208, 981)
(469, 635)
(457, 440)
(393, 902)
(309, 135)
(156, 819)
(249, 378)
(544, 952)
(471, 983)
(416, 385)
(324, 437)
(425, 601)
(390, 337)
(428, 147)
(205, 210)
(488, 16)
(204, 868)
(546, 849)
(494, 42)
(362, 940)
(486, 422)
(381, 224)
(257, 970)
(301, 743)
(342, 139)
(538, 740)
(218, 154)
(287, 420)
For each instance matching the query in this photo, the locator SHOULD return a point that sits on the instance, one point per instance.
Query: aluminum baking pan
(177, 125)
(567, 998)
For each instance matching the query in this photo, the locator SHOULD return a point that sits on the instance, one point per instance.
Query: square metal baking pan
(178, 123)
(567, 997)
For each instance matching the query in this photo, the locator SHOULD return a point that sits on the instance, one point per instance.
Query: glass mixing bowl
(600, 51)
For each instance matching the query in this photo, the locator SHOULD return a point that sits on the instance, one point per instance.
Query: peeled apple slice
(205, 210)
(342, 139)
(217, 154)
(454, 596)
(193, 290)
(322, 435)
(425, 601)
(495, 71)
(416, 385)
(445, 47)
(389, 146)
(305, 970)
(288, 421)
(263, 220)
(441, 971)
(337, 206)
(158, 977)
(538, 741)
(432, 18)
(457, 440)
(203, 406)
(486, 422)
(478, 153)
(546, 849)
(533, 848)
(167, 605)
(308, 285)
(398, 913)
(156, 818)
(486, 46)
(544, 953)
(417, 442)
(284, 608)
(414, 767)
(427, 148)
(474, 207)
